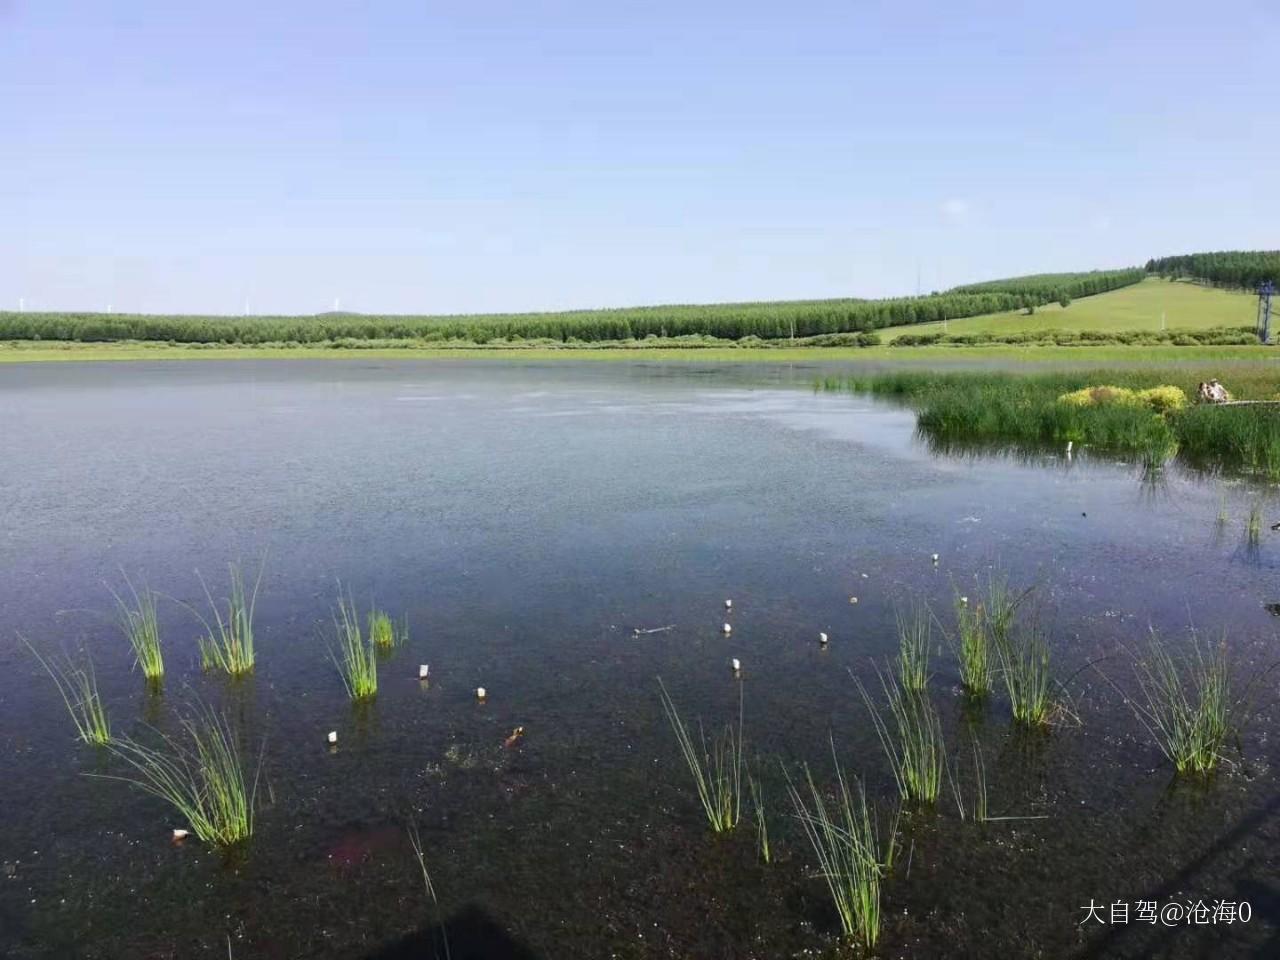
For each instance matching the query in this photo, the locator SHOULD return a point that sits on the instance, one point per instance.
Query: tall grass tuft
(78, 686)
(915, 745)
(762, 822)
(141, 626)
(974, 648)
(355, 657)
(228, 642)
(915, 636)
(1023, 656)
(1186, 706)
(385, 633)
(853, 858)
(716, 767)
(202, 776)
(1253, 533)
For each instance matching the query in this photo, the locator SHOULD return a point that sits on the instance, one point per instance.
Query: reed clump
(228, 642)
(914, 744)
(141, 627)
(854, 857)
(77, 684)
(1186, 703)
(385, 633)
(201, 774)
(716, 766)
(1023, 656)
(915, 637)
(355, 656)
(973, 647)
(761, 818)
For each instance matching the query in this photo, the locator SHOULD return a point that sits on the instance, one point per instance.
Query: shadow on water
(472, 935)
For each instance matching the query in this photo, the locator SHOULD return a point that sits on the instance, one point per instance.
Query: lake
(528, 520)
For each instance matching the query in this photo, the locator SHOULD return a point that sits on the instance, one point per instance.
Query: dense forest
(768, 321)
(1227, 268)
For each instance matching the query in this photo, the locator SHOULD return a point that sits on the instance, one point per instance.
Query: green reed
(915, 637)
(1186, 704)
(974, 648)
(762, 822)
(228, 643)
(385, 633)
(914, 745)
(853, 857)
(716, 766)
(201, 774)
(355, 656)
(1023, 656)
(78, 686)
(141, 627)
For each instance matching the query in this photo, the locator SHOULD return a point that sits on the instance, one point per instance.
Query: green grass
(78, 687)
(141, 627)
(1023, 656)
(228, 642)
(973, 647)
(716, 767)
(915, 638)
(201, 774)
(1186, 704)
(914, 746)
(1184, 305)
(355, 656)
(761, 817)
(853, 857)
(385, 633)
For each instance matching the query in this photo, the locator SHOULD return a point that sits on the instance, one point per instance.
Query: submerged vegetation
(853, 857)
(227, 644)
(141, 626)
(716, 767)
(78, 686)
(202, 776)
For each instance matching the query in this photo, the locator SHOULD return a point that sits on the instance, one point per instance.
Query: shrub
(1163, 398)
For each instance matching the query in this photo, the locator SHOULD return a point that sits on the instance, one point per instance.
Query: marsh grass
(1023, 657)
(915, 745)
(716, 767)
(853, 857)
(915, 637)
(761, 818)
(973, 648)
(141, 626)
(385, 633)
(1186, 703)
(419, 853)
(228, 642)
(1253, 531)
(202, 775)
(78, 687)
(1223, 516)
(355, 656)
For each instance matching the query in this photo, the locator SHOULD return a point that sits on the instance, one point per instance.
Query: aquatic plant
(915, 745)
(1223, 515)
(355, 657)
(227, 644)
(716, 767)
(78, 687)
(1186, 704)
(1253, 532)
(419, 853)
(1023, 656)
(141, 626)
(384, 632)
(202, 776)
(915, 636)
(762, 823)
(853, 857)
(973, 647)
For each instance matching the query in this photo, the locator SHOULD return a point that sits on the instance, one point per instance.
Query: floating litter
(424, 671)
(480, 693)
(737, 665)
(964, 601)
(934, 558)
(853, 599)
(179, 835)
(823, 638)
(728, 604)
(728, 628)
(333, 736)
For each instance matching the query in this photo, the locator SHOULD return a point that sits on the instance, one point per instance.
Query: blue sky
(452, 157)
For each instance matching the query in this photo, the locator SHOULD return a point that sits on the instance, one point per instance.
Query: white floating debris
(964, 601)
(737, 665)
(823, 638)
(728, 604)
(333, 736)
(480, 693)
(728, 628)
(934, 558)
(1070, 444)
(179, 835)
(853, 599)
(424, 671)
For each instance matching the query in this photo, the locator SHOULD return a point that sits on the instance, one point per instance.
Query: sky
(422, 157)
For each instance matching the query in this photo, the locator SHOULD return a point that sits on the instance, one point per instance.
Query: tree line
(1228, 268)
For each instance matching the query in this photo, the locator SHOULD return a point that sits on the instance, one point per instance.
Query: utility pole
(1265, 291)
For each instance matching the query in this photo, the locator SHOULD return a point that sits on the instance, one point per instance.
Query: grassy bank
(984, 410)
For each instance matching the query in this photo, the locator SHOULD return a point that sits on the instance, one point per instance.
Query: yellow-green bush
(1160, 399)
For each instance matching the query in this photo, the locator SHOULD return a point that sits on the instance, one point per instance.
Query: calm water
(527, 520)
